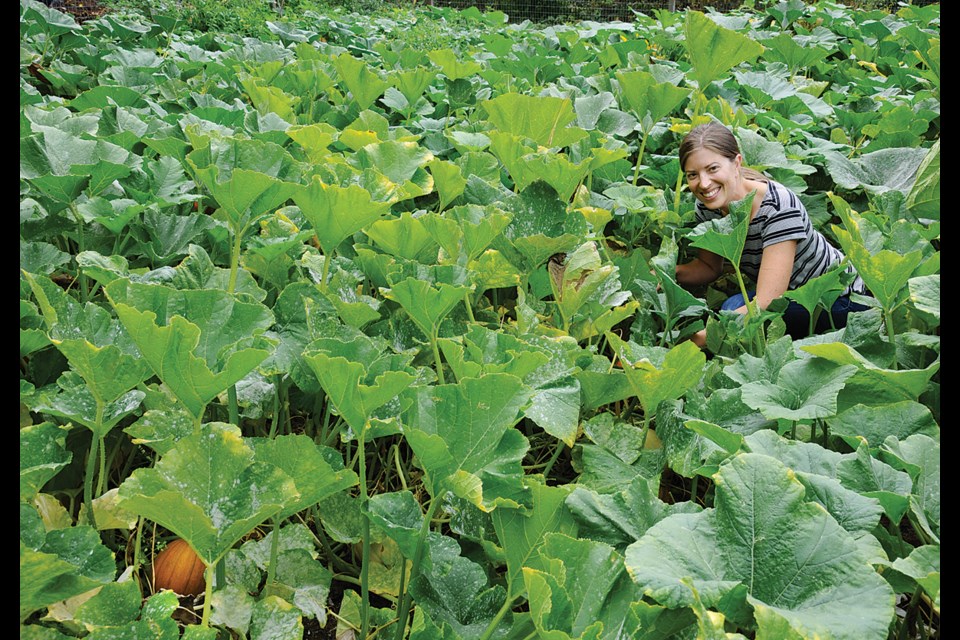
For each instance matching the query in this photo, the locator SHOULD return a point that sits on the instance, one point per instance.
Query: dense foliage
(378, 314)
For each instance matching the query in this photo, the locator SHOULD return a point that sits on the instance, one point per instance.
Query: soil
(81, 10)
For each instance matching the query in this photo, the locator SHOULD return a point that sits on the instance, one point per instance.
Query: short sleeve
(785, 219)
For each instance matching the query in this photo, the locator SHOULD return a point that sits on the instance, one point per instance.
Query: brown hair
(715, 137)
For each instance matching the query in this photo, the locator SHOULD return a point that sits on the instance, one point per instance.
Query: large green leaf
(816, 468)
(876, 172)
(804, 389)
(363, 83)
(713, 49)
(154, 620)
(455, 591)
(74, 401)
(462, 434)
(93, 343)
(875, 385)
(404, 237)
(541, 226)
(925, 295)
(570, 595)
(302, 460)
(276, 619)
(923, 200)
(920, 456)
(427, 303)
(875, 423)
(785, 48)
(650, 101)
(725, 236)
(209, 490)
(58, 564)
(802, 572)
(42, 456)
(198, 342)
(466, 230)
(923, 565)
(357, 378)
(336, 213)
(657, 375)
(522, 532)
(622, 518)
(451, 66)
(543, 119)
(245, 195)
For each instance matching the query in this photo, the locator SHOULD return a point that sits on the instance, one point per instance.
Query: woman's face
(714, 179)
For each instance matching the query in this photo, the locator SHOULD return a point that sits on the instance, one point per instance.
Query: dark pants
(798, 320)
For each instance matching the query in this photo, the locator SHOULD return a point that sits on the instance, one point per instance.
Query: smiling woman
(782, 250)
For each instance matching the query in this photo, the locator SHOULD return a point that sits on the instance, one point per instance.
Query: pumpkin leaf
(202, 490)
(795, 561)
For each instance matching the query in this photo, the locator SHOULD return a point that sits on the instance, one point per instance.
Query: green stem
(325, 272)
(138, 540)
(415, 568)
(274, 551)
(891, 334)
(275, 420)
(434, 342)
(88, 478)
(208, 574)
(643, 145)
(102, 470)
(235, 260)
(492, 627)
(647, 418)
(466, 301)
(81, 247)
(553, 459)
(365, 557)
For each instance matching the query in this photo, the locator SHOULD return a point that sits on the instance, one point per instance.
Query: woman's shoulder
(781, 198)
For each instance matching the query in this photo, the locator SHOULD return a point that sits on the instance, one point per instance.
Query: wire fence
(555, 11)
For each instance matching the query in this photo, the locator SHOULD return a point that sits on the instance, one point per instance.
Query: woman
(782, 250)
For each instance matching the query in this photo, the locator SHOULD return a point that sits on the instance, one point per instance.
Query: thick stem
(88, 479)
(492, 627)
(325, 271)
(235, 260)
(138, 539)
(208, 574)
(415, 567)
(466, 301)
(102, 470)
(643, 145)
(434, 342)
(274, 551)
(275, 420)
(647, 417)
(365, 557)
(553, 459)
(891, 335)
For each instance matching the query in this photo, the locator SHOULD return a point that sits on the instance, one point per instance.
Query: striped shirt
(783, 217)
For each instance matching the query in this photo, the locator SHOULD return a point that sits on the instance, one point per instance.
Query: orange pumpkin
(178, 568)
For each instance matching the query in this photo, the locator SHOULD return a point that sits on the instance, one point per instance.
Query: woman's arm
(776, 267)
(703, 269)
